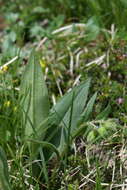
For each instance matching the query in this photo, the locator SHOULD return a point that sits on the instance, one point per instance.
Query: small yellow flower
(5, 68)
(43, 63)
(7, 103)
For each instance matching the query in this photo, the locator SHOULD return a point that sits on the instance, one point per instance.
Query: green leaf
(4, 175)
(87, 112)
(34, 96)
(54, 125)
(83, 129)
(63, 114)
(78, 106)
(103, 132)
(91, 136)
(58, 112)
(47, 145)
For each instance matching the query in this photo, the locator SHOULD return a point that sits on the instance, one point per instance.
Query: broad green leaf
(4, 175)
(78, 106)
(66, 101)
(58, 112)
(34, 96)
(104, 114)
(79, 96)
(55, 123)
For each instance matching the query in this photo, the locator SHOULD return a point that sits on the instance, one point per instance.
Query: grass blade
(47, 145)
(4, 175)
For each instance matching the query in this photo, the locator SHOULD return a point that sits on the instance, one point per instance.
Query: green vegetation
(63, 95)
